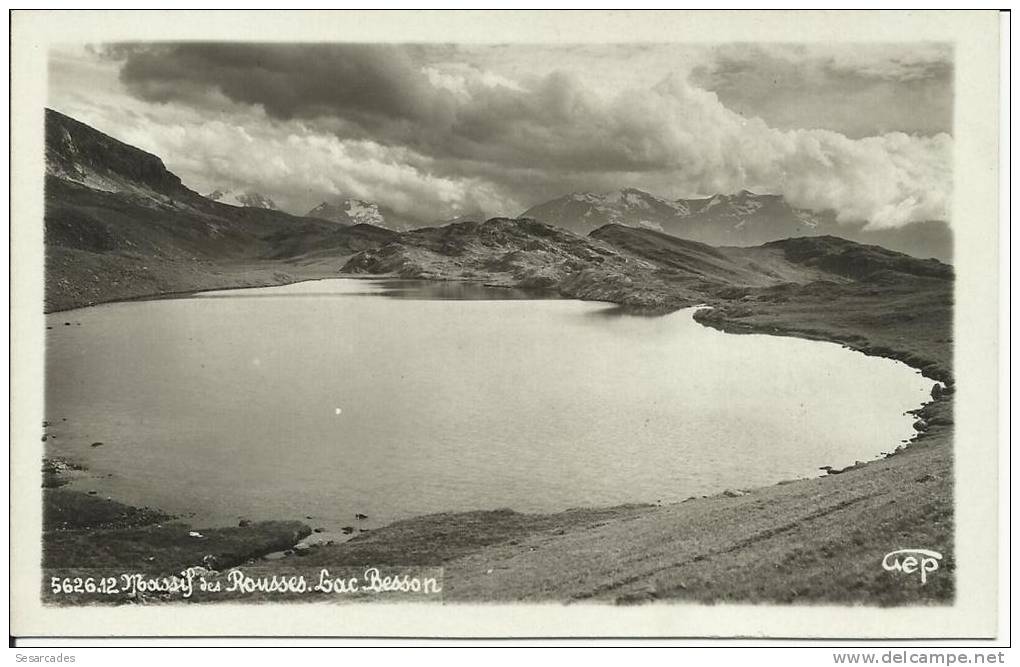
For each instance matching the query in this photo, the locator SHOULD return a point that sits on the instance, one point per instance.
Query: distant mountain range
(75, 153)
(744, 218)
(118, 224)
(741, 219)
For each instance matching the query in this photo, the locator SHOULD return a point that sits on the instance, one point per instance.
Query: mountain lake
(391, 398)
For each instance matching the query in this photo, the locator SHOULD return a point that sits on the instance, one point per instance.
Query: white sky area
(435, 131)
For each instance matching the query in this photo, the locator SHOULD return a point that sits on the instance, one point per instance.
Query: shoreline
(176, 294)
(171, 294)
(931, 370)
(934, 433)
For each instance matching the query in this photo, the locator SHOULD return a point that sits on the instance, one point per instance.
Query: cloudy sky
(434, 131)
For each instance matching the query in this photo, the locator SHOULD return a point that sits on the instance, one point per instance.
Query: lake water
(328, 398)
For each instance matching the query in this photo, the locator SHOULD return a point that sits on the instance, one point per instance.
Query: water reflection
(397, 288)
(431, 290)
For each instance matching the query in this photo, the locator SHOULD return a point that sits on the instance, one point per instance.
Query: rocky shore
(88, 535)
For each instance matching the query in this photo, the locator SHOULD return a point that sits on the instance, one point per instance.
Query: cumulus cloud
(417, 129)
(297, 165)
(859, 90)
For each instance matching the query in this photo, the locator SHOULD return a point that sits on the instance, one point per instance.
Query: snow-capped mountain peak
(364, 212)
(351, 211)
(248, 198)
(587, 211)
(740, 218)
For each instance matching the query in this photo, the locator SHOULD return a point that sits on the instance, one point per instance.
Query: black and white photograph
(353, 324)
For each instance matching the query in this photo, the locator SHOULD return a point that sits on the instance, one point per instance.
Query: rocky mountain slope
(79, 154)
(742, 219)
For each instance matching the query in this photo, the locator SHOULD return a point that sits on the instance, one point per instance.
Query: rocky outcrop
(79, 153)
(505, 251)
